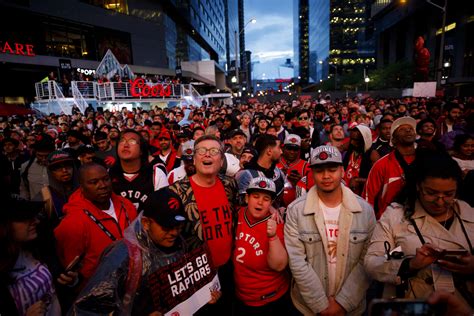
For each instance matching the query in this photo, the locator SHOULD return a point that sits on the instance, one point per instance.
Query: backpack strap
(24, 175)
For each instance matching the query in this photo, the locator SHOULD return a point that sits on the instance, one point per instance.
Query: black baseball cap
(236, 132)
(164, 207)
(59, 157)
(14, 141)
(328, 120)
(85, 149)
(249, 150)
(17, 209)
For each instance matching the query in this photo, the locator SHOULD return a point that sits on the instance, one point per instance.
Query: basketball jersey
(256, 283)
(134, 187)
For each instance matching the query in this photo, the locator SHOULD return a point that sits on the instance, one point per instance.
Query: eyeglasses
(130, 141)
(431, 197)
(201, 151)
(303, 118)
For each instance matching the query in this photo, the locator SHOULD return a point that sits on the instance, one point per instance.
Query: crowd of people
(299, 208)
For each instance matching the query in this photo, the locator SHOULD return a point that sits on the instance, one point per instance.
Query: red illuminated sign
(138, 88)
(17, 49)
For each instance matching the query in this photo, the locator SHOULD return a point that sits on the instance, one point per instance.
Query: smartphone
(453, 255)
(455, 252)
(395, 307)
(74, 264)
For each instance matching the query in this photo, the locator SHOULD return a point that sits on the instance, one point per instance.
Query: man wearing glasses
(209, 200)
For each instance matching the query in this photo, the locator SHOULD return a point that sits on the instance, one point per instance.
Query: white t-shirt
(465, 164)
(111, 211)
(163, 158)
(331, 222)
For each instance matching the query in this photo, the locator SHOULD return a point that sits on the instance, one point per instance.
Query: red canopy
(13, 109)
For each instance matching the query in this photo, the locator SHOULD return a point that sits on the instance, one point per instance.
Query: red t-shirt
(216, 220)
(256, 284)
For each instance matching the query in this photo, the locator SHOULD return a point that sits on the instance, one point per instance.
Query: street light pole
(236, 54)
(441, 42)
(253, 21)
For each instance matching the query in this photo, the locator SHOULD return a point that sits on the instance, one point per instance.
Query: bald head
(96, 185)
(89, 167)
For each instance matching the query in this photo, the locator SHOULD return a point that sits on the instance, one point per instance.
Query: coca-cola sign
(138, 88)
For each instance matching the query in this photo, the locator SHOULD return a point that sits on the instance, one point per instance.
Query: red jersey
(353, 168)
(216, 220)
(256, 284)
(301, 166)
(303, 186)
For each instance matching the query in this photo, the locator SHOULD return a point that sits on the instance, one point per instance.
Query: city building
(66, 37)
(232, 24)
(331, 36)
(398, 25)
(301, 39)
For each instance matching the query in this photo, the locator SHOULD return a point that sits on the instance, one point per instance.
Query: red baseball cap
(164, 134)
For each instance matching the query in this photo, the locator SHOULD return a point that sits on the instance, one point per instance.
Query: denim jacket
(307, 247)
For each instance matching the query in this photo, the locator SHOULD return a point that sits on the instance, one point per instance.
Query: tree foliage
(398, 75)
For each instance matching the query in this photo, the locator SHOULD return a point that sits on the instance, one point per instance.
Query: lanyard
(101, 226)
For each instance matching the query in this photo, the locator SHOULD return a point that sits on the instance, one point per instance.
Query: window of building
(68, 41)
(120, 6)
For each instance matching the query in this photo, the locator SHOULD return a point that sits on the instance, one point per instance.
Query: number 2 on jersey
(238, 258)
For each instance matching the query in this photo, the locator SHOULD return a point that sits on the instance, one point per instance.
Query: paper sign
(183, 287)
(424, 89)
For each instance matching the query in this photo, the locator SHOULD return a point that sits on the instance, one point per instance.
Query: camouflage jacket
(193, 229)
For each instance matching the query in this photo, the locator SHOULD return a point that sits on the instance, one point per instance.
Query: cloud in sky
(271, 38)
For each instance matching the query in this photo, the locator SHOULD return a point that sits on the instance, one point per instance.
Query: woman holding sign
(259, 256)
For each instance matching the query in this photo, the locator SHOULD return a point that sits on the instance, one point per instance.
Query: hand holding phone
(70, 275)
(458, 261)
(74, 264)
(455, 252)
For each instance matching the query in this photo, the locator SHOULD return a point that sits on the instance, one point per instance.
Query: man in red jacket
(94, 218)
(387, 177)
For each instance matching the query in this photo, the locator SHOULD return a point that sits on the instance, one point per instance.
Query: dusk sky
(270, 39)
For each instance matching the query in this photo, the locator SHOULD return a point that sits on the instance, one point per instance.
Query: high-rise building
(319, 39)
(232, 38)
(331, 35)
(153, 37)
(301, 39)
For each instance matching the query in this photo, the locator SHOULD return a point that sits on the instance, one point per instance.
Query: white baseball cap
(292, 140)
(325, 154)
(262, 184)
(406, 120)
